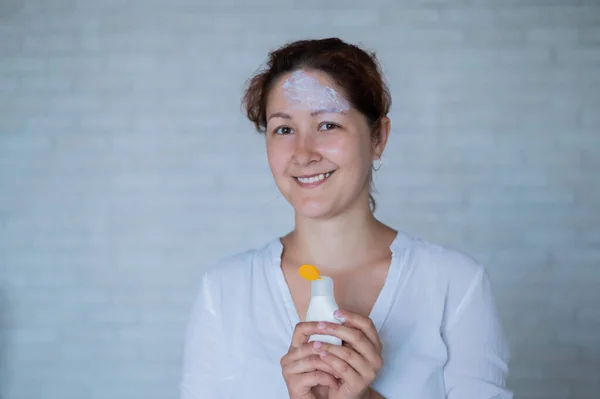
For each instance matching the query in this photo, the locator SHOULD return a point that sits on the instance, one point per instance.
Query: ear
(380, 140)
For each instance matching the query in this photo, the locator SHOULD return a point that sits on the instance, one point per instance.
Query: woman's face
(319, 148)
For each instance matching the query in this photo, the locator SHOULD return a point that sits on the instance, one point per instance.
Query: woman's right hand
(302, 367)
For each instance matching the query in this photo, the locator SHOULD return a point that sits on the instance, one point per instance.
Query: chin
(314, 209)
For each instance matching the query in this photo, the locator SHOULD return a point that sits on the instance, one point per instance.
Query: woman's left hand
(358, 360)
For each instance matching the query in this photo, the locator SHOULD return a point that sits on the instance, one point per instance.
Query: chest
(356, 291)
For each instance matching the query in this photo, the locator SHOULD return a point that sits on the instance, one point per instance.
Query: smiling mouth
(318, 178)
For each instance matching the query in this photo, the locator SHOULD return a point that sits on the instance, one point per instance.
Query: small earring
(378, 166)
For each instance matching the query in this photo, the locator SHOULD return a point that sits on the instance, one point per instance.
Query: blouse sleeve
(201, 370)
(478, 353)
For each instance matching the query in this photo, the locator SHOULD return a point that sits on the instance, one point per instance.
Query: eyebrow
(313, 113)
(328, 111)
(279, 115)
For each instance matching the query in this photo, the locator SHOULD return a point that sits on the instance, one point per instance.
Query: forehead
(307, 90)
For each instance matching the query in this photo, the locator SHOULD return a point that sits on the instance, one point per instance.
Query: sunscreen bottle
(322, 302)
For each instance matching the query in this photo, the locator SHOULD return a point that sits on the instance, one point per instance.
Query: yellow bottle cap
(309, 272)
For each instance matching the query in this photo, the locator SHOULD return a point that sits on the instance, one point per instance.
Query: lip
(315, 183)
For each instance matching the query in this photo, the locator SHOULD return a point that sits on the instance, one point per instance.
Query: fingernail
(323, 354)
(321, 325)
(339, 315)
(317, 345)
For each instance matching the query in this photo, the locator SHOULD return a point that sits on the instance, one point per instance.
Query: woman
(419, 320)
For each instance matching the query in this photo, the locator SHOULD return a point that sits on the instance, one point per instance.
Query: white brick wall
(125, 161)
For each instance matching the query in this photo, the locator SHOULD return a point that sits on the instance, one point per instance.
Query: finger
(354, 337)
(315, 378)
(302, 357)
(359, 363)
(302, 333)
(364, 324)
(351, 377)
(307, 365)
(298, 353)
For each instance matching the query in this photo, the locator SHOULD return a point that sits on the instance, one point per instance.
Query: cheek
(335, 147)
(344, 151)
(277, 156)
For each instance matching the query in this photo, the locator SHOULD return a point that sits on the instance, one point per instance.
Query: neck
(340, 242)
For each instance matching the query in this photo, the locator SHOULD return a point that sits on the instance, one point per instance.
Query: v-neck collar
(384, 301)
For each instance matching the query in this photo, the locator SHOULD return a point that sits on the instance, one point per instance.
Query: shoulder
(237, 268)
(442, 260)
(446, 279)
(446, 269)
(228, 278)
(448, 260)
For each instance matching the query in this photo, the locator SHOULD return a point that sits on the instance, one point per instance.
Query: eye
(283, 130)
(328, 126)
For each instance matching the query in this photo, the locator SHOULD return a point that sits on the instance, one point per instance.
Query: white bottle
(321, 307)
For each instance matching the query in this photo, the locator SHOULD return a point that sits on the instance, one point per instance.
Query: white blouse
(436, 317)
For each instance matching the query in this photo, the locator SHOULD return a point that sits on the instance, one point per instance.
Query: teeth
(314, 179)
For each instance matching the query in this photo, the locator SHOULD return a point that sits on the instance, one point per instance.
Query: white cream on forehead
(302, 89)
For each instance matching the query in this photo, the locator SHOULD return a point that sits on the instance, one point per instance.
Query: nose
(305, 150)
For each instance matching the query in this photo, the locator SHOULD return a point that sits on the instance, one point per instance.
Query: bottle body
(321, 308)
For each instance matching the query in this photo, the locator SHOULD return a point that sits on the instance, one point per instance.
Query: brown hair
(355, 70)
